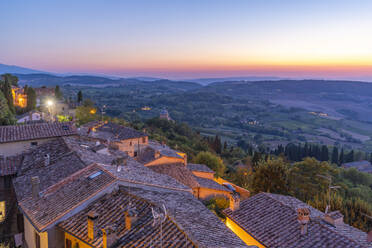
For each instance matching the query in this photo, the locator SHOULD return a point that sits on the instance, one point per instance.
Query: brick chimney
(234, 201)
(185, 160)
(35, 185)
(334, 218)
(109, 237)
(46, 159)
(303, 217)
(129, 220)
(92, 224)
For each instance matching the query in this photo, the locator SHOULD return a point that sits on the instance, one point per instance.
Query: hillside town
(66, 182)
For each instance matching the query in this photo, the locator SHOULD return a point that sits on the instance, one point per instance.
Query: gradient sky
(190, 38)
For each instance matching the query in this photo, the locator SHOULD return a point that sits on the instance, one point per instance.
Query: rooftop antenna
(330, 187)
(159, 218)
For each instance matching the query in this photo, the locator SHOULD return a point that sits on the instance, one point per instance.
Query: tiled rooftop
(203, 227)
(178, 172)
(110, 131)
(36, 131)
(148, 154)
(210, 184)
(272, 220)
(110, 209)
(57, 200)
(199, 167)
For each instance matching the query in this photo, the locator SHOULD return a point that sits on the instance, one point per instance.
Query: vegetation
(6, 116)
(58, 93)
(31, 98)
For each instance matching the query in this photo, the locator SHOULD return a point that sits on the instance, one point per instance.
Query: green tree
(305, 180)
(7, 91)
(334, 159)
(13, 80)
(212, 161)
(31, 99)
(85, 114)
(79, 96)
(58, 92)
(6, 116)
(271, 176)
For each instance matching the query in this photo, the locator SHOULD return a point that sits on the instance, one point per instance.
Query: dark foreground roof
(36, 131)
(111, 213)
(272, 220)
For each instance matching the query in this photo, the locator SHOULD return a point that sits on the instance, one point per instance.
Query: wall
(207, 175)
(248, 239)
(14, 148)
(131, 145)
(30, 236)
(205, 193)
(244, 194)
(75, 240)
(35, 117)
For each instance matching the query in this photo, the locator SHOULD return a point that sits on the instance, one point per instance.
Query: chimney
(303, 217)
(46, 159)
(92, 224)
(129, 220)
(185, 160)
(109, 237)
(334, 218)
(157, 154)
(234, 201)
(163, 143)
(35, 185)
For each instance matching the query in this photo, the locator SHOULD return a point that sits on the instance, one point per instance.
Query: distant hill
(17, 69)
(206, 81)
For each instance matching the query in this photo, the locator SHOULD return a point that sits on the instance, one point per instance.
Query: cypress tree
(57, 92)
(335, 155)
(79, 96)
(324, 153)
(342, 157)
(31, 99)
(7, 91)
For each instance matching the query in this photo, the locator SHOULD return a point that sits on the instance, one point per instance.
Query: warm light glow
(49, 103)
(93, 111)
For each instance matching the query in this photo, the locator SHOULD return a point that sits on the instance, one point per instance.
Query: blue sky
(189, 38)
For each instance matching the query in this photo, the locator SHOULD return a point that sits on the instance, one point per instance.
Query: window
(135, 154)
(130, 143)
(143, 139)
(34, 143)
(37, 240)
(68, 243)
(2, 211)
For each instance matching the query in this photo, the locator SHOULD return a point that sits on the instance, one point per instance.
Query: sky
(190, 38)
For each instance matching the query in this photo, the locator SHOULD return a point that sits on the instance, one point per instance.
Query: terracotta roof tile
(9, 165)
(110, 209)
(177, 171)
(272, 220)
(199, 167)
(210, 184)
(36, 131)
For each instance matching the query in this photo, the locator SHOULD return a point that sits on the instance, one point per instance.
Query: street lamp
(50, 104)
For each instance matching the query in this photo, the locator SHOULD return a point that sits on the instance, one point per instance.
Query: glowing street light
(49, 103)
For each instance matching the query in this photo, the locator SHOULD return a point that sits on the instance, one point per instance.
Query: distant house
(120, 137)
(272, 220)
(362, 166)
(165, 115)
(31, 116)
(203, 188)
(19, 97)
(156, 154)
(20, 138)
